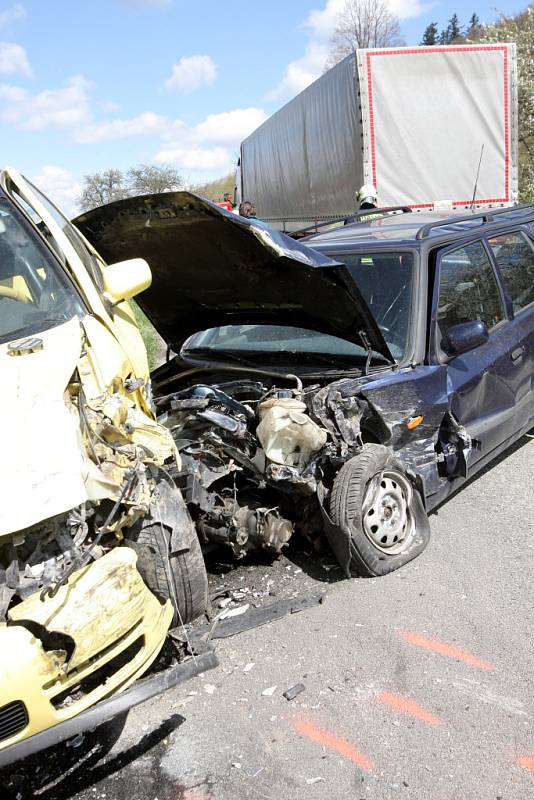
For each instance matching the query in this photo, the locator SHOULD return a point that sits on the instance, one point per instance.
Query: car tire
(172, 570)
(376, 503)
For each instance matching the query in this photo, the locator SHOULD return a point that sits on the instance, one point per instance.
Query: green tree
(453, 29)
(430, 36)
(474, 26)
(215, 190)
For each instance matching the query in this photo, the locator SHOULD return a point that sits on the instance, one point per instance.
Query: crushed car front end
(96, 635)
(84, 464)
(268, 398)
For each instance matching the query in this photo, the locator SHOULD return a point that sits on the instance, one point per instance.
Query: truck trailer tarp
(411, 121)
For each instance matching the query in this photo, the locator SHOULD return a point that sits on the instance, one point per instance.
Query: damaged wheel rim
(387, 518)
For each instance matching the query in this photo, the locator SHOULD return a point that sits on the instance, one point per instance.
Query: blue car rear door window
(468, 289)
(514, 254)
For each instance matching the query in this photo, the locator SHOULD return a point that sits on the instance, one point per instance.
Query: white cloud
(190, 73)
(61, 186)
(214, 159)
(405, 9)
(301, 72)
(146, 124)
(209, 146)
(13, 60)
(12, 96)
(230, 127)
(63, 108)
(321, 24)
(110, 106)
(11, 14)
(304, 70)
(223, 130)
(202, 151)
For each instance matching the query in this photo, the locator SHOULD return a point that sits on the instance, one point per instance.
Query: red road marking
(316, 734)
(444, 649)
(527, 762)
(408, 706)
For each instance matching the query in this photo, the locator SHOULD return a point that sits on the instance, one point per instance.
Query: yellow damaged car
(98, 555)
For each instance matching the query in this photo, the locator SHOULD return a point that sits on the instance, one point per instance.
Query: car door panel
(485, 385)
(513, 253)
(489, 390)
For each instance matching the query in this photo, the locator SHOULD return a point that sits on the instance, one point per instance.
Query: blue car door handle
(518, 353)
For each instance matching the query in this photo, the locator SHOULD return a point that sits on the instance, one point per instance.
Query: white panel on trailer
(427, 112)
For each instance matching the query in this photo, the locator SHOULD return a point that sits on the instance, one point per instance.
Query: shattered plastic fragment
(234, 612)
(294, 691)
(221, 628)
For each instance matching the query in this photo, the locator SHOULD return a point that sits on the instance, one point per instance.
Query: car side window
(468, 288)
(514, 253)
(38, 222)
(90, 262)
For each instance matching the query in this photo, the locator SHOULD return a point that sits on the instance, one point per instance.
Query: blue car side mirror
(465, 336)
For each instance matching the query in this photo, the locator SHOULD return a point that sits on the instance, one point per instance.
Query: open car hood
(211, 268)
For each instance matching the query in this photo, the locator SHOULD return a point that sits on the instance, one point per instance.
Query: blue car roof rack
(356, 216)
(485, 217)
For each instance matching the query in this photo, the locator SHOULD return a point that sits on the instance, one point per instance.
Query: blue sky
(112, 83)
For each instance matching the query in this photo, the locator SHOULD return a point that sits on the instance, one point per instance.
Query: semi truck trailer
(428, 127)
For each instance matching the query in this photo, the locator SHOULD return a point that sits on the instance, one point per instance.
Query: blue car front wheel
(377, 506)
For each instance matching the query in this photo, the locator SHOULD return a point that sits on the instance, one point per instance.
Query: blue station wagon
(341, 386)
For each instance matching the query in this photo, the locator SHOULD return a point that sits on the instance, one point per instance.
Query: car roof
(413, 228)
(392, 227)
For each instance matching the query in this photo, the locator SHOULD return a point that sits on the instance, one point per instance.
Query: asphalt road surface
(417, 685)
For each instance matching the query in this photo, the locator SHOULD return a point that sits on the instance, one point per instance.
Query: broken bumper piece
(64, 654)
(107, 709)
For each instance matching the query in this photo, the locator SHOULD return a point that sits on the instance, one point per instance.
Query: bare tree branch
(363, 23)
(106, 187)
(148, 179)
(102, 187)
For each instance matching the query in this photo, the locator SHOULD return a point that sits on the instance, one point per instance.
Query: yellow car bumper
(62, 655)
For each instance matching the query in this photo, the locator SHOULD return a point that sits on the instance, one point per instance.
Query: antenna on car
(476, 179)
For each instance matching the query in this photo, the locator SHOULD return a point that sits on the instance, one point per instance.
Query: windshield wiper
(211, 354)
(332, 359)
